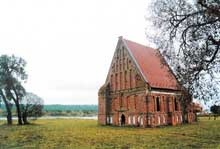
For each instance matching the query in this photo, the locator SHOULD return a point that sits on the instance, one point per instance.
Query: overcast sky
(68, 44)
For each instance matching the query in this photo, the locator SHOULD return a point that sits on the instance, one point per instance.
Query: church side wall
(101, 110)
(164, 109)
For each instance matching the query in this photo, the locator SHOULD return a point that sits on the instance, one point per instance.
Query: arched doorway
(122, 120)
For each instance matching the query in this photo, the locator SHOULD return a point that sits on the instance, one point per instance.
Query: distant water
(61, 117)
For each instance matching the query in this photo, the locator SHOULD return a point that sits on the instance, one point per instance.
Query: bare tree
(188, 35)
(187, 32)
(31, 106)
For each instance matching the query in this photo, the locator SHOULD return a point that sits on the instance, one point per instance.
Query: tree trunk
(183, 108)
(8, 108)
(186, 100)
(24, 117)
(9, 114)
(18, 113)
(16, 101)
(196, 117)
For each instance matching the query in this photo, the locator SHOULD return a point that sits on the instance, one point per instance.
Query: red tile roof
(149, 61)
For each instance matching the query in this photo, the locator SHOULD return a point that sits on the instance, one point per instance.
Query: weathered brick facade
(132, 96)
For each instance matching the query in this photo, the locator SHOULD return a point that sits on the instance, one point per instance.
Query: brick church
(140, 90)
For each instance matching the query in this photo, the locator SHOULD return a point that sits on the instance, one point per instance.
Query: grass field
(71, 133)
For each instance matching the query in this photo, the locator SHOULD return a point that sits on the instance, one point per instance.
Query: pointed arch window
(111, 82)
(176, 104)
(127, 64)
(130, 78)
(116, 81)
(125, 79)
(167, 104)
(157, 103)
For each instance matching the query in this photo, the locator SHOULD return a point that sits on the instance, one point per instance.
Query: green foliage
(215, 109)
(70, 110)
(57, 107)
(62, 110)
(70, 107)
(32, 105)
(4, 109)
(74, 133)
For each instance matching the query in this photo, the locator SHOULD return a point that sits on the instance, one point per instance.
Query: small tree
(31, 106)
(215, 110)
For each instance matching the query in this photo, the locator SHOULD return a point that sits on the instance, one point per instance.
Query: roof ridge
(140, 44)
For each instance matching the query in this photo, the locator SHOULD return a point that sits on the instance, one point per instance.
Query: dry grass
(71, 133)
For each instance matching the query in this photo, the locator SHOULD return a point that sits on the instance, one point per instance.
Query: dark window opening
(111, 82)
(122, 120)
(167, 104)
(116, 81)
(135, 102)
(125, 78)
(130, 79)
(120, 80)
(154, 106)
(176, 104)
(157, 104)
(127, 64)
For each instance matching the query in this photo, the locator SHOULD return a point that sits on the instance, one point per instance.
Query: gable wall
(123, 73)
(127, 87)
